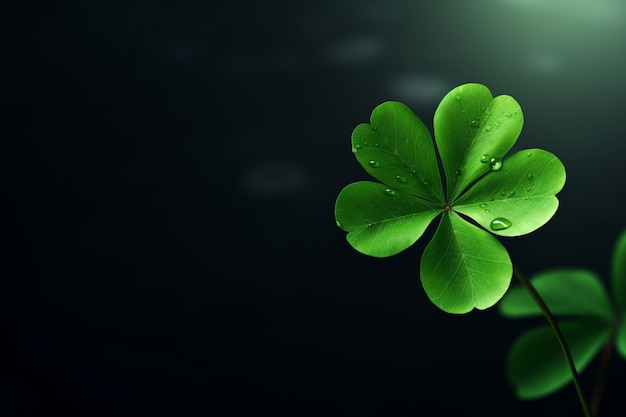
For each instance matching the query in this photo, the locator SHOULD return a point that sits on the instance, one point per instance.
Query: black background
(169, 174)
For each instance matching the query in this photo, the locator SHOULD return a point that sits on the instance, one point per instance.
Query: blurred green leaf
(566, 292)
(535, 363)
(618, 273)
(574, 292)
(620, 338)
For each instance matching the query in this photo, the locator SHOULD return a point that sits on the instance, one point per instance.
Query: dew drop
(487, 211)
(338, 224)
(498, 123)
(485, 158)
(376, 145)
(491, 198)
(457, 172)
(374, 164)
(400, 178)
(355, 149)
(458, 97)
(507, 114)
(495, 164)
(389, 192)
(488, 128)
(530, 176)
(529, 154)
(483, 205)
(500, 223)
(529, 188)
(476, 123)
(511, 194)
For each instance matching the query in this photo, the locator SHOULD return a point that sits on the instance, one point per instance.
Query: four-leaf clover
(481, 195)
(535, 365)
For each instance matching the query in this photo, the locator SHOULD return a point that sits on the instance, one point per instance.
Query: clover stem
(557, 331)
(601, 377)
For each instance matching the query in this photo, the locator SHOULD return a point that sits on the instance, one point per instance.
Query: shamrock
(464, 266)
(535, 366)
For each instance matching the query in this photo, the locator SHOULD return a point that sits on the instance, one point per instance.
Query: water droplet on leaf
(389, 192)
(476, 123)
(495, 164)
(530, 176)
(485, 158)
(374, 164)
(457, 172)
(500, 223)
(400, 178)
(483, 205)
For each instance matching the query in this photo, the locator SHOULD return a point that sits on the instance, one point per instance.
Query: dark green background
(169, 174)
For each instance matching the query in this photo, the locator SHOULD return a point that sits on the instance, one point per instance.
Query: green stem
(596, 397)
(557, 331)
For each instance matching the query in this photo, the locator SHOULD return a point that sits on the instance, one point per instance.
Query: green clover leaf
(535, 366)
(464, 266)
